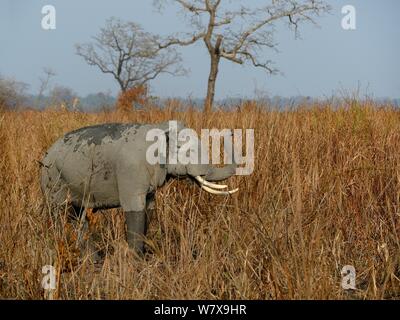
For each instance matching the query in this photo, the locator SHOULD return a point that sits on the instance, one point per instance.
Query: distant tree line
(12, 93)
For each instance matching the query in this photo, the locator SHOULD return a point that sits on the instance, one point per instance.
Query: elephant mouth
(214, 188)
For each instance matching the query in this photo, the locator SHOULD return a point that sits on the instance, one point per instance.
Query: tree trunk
(211, 83)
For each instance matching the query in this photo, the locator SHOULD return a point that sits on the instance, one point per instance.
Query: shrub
(131, 98)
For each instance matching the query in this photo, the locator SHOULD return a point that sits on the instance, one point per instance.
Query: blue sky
(325, 61)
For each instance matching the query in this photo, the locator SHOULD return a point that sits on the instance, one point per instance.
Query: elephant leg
(150, 208)
(86, 221)
(92, 219)
(136, 229)
(91, 222)
(137, 223)
(132, 198)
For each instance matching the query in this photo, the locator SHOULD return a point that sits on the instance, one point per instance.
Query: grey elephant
(105, 166)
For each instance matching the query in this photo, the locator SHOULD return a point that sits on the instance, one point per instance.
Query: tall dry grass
(324, 194)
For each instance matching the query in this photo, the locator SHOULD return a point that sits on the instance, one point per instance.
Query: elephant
(105, 166)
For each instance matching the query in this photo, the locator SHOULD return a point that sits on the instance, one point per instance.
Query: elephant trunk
(219, 174)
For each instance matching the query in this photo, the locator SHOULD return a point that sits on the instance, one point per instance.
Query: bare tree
(64, 97)
(44, 84)
(131, 55)
(237, 32)
(12, 93)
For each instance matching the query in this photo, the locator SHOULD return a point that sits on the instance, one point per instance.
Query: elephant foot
(136, 228)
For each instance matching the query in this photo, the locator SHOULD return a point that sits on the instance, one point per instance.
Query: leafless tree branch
(132, 56)
(240, 33)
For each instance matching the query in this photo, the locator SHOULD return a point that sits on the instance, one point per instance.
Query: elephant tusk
(206, 183)
(217, 192)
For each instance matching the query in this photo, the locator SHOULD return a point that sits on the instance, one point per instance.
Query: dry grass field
(325, 193)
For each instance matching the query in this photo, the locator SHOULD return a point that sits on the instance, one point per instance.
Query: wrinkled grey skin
(104, 167)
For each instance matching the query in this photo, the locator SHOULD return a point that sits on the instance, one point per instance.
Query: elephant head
(186, 156)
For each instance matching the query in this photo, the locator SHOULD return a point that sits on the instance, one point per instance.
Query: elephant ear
(165, 126)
